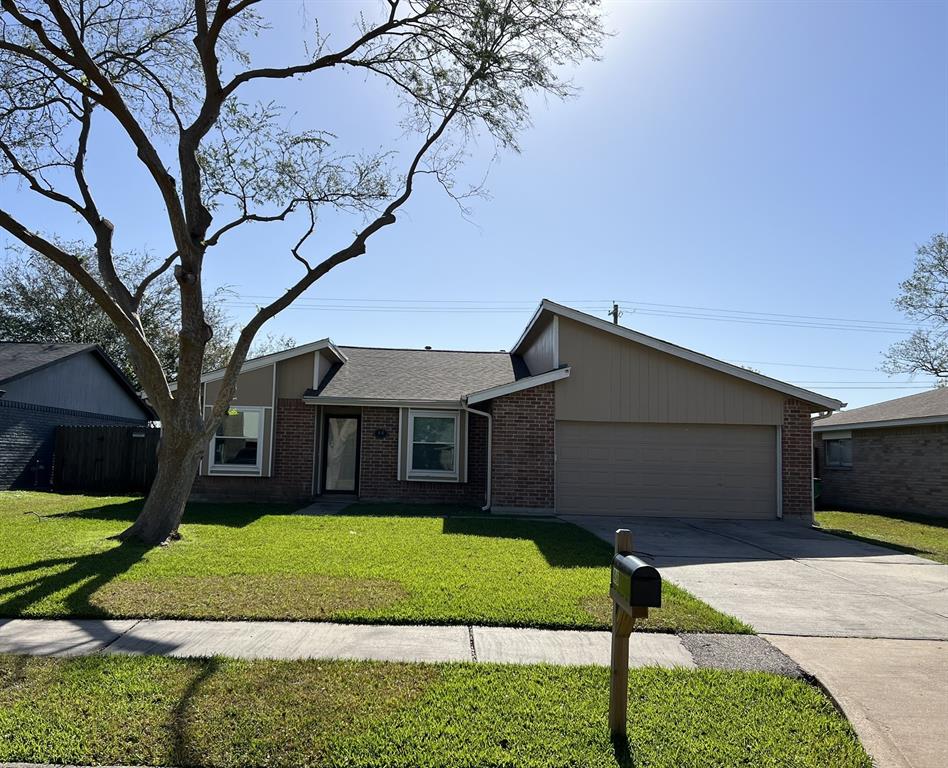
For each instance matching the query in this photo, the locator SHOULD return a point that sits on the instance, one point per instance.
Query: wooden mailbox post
(635, 587)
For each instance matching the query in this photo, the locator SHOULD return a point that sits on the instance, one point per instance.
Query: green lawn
(386, 564)
(917, 535)
(215, 712)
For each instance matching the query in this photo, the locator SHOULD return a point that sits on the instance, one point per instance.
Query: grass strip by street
(914, 534)
(220, 713)
(380, 564)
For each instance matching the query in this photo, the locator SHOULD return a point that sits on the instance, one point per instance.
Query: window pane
(235, 451)
(846, 452)
(241, 424)
(433, 429)
(432, 457)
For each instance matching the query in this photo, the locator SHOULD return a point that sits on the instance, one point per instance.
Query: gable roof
(22, 358)
(924, 408)
(275, 357)
(415, 375)
(18, 358)
(551, 308)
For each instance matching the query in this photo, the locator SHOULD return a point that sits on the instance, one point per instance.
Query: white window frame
(240, 469)
(432, 474)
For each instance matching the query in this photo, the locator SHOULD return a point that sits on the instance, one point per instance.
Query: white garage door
(688, 470)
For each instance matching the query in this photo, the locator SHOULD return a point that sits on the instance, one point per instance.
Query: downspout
(490, 429)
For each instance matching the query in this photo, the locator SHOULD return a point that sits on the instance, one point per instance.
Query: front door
(341, 453)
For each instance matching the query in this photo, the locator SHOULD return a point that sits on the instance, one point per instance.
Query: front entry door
(342, 454)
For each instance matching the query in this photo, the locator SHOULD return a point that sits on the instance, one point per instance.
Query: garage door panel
(702, 470)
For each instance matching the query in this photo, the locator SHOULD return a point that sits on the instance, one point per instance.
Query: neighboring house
(580, 417)
(43, 386)
(890, 457)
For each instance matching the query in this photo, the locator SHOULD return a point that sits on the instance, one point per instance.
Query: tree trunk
(178, 457)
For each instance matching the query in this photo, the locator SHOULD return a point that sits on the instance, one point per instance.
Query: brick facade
(378, 472)
(291, 476)
(796, 460)
(523, 450)
(899, 469)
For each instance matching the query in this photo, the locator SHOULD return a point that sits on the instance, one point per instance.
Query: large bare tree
(174, 75)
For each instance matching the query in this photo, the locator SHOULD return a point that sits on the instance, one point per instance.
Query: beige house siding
(540, 354)
(618, 380)
(295, 375)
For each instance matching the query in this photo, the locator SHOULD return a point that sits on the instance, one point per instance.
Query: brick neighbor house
(890, 457)
(580, 417)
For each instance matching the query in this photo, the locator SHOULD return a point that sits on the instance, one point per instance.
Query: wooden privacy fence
(120, 459)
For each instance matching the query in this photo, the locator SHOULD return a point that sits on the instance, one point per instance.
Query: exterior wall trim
(380, 402)
(518, 386)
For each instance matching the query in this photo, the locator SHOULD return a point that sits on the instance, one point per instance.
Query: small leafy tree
(924, 298)
(173, 75)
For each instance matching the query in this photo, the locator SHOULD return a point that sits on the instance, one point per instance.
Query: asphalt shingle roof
(923, 405)
(18, 358)
(418, 374)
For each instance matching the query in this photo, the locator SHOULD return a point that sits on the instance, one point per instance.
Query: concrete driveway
(869, 622)
(786, 578)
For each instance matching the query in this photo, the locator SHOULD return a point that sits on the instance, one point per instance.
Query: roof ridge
(421, 349)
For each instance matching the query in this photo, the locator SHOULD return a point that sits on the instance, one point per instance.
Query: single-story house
(889, 457)
(43, 386)
(581, 416)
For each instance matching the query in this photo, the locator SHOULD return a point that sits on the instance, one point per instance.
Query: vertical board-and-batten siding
(617, 380)
(541, 351)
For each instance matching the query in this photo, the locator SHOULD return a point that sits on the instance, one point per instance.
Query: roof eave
(380, 402)
(517, 386)
(879, 424)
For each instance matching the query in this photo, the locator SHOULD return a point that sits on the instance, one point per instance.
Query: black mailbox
(635, 582)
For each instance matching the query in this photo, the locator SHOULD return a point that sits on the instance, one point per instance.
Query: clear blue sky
(779, 158)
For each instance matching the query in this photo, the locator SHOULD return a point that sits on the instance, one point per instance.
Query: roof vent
(428, 347)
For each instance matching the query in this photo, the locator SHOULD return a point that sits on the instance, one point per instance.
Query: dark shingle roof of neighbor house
(925, 405)
(19, 358)
(417, 374)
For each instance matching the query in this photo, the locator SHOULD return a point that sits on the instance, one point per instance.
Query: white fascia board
(683, 353)
(382, 402)
(517, 386)
(276, 357)
(920, 420)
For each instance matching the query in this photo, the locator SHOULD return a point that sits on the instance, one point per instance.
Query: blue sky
(763, 162)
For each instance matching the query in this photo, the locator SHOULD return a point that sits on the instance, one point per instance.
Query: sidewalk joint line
(119, 636)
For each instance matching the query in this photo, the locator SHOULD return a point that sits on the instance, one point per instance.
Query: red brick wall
(797, 459)
(378, 473)
(523, 450)
(292, 471)
(900, 469)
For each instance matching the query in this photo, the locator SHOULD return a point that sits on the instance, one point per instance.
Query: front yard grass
(222, 713)
(245, 561)
(914, 534)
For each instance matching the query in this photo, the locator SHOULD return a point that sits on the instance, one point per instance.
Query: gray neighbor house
(43, 386)
(889, 457)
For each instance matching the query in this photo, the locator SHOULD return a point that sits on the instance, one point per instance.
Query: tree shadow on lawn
(230, 515)
(563, 545)
(80, 578)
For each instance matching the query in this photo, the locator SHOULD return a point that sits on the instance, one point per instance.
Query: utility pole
(615, 313)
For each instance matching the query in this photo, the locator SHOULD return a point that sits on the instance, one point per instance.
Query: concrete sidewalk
(318, 640)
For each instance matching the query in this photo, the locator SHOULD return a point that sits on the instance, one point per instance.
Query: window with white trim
(433, 444)
(238, 442)
(839, 453)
